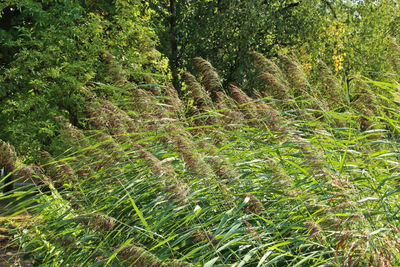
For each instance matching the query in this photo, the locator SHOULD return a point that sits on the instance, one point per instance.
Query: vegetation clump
(296, 164)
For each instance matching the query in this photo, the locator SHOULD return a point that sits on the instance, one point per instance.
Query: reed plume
(295, 73)
(209, 77)
(276, 84)
(8, 156)
(196, 91)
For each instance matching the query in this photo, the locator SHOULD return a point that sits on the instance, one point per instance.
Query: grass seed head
(210, 77)
(254, 205)
(8, 156)
(314, 231)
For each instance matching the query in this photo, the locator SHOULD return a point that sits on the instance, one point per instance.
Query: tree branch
(330, 8)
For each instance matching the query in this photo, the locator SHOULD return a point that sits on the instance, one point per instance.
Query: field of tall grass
(299, 172)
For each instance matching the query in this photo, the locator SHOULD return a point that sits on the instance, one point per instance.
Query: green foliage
(352, 37)
(51, 50)
(228, 30)
(355, 38)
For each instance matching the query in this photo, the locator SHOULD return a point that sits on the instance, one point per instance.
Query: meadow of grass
(301, 172)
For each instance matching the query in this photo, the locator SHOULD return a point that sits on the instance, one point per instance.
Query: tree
(223, 32)
(50, 50)
(350, 36)
(356, 37)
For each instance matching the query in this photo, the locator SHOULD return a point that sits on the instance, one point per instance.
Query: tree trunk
(174, 46)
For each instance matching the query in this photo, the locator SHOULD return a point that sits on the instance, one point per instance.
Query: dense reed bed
(291, 173)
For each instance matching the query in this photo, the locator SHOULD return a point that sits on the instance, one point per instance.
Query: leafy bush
(51, 50)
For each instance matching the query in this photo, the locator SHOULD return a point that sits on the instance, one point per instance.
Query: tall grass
(292, 175)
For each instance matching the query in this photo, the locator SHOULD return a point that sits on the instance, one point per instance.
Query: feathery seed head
(8, 156)
(210, 77)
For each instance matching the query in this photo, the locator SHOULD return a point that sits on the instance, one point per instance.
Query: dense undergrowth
(296, 174)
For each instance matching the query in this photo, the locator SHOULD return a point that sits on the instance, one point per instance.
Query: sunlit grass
(238, 181)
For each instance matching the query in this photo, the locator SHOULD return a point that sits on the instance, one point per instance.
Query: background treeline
(357, 37)
(201, 133)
